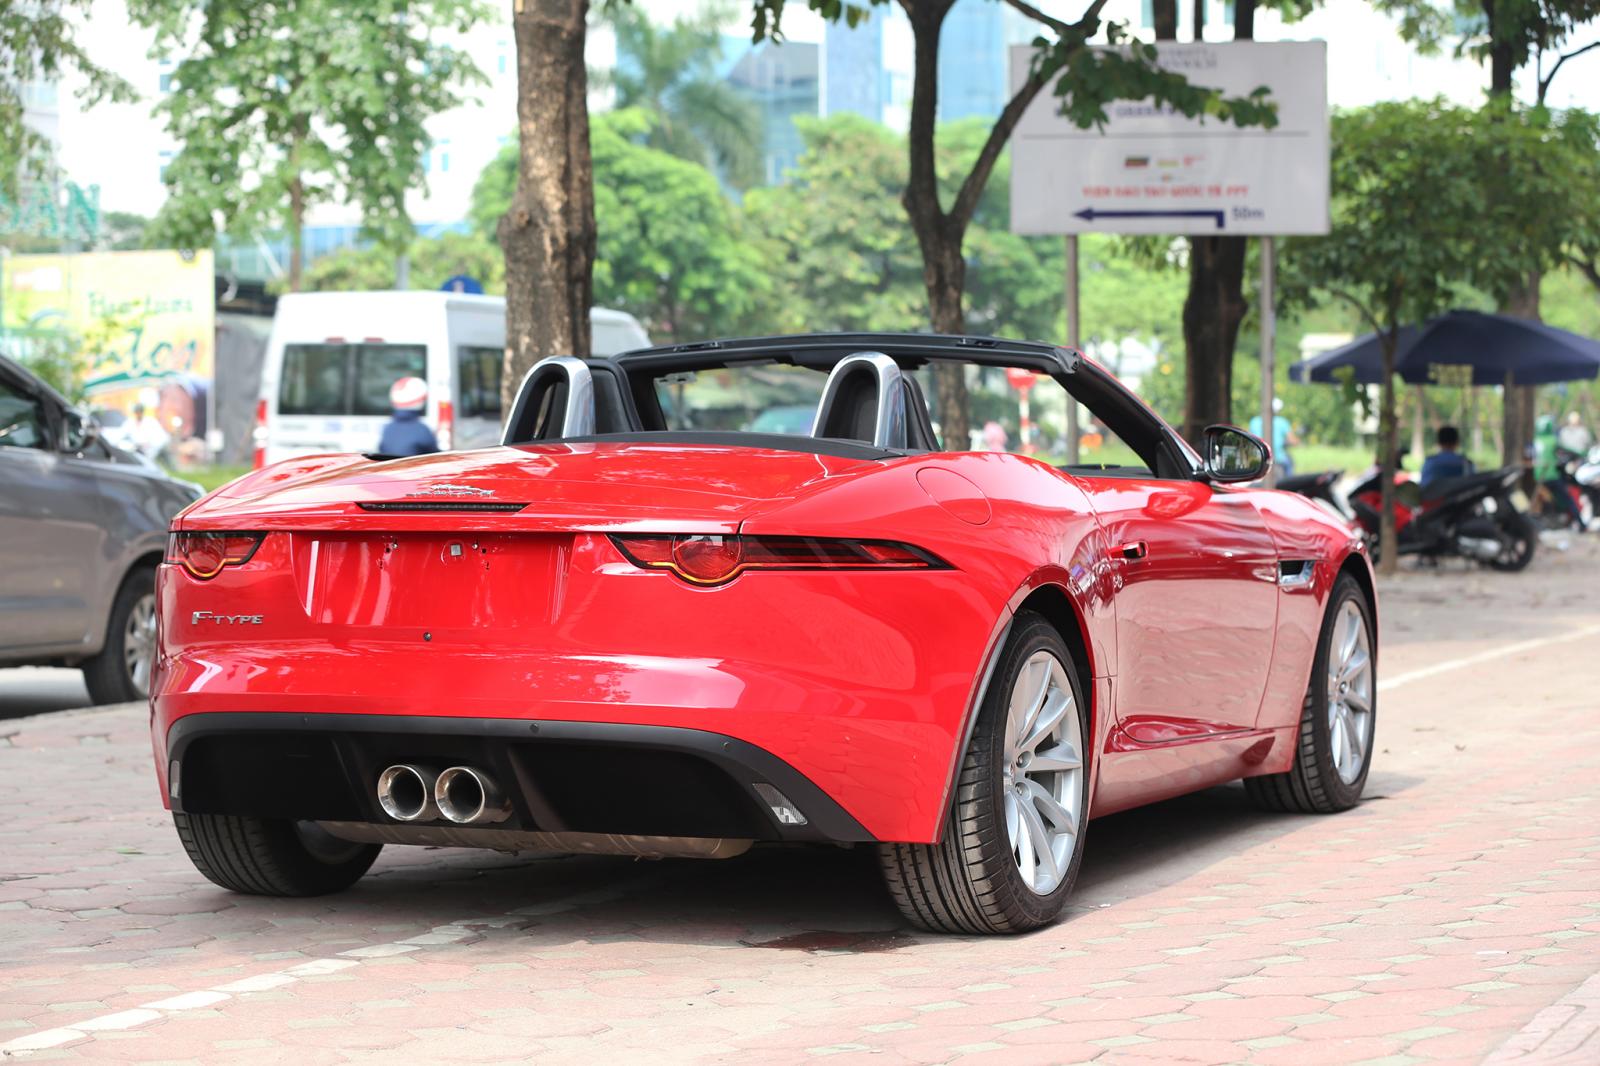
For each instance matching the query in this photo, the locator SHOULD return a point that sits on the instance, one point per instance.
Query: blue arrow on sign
(1089, 214)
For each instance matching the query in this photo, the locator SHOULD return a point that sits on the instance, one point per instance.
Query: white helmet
(409, 394)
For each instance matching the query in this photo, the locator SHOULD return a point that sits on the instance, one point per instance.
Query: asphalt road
(1454, 916)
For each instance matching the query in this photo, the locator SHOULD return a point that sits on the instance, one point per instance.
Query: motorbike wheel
(1519, 538)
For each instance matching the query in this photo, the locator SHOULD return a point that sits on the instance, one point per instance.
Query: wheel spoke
(1055, 709)
(1060, 757)
(1357, 700)
(1336, 749)
(1355, 665)
(1013, 818)
(1027, 857)
(1038, 695)
(1039, 839)
(1352, 742)
(1352, 633)
(1051, 808)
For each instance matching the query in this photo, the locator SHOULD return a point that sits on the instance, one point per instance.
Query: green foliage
(276, 101)
(433, 261)
(671, 249)
(671, 72)
(1524, 27)
(40, 45)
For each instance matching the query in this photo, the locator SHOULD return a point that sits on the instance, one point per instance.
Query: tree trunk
(1518, 414)
(297, 232)
(944, 271)
(1165, 16)
(1388, 437)
(1214, 306)
(1212, 312)
(548, 233)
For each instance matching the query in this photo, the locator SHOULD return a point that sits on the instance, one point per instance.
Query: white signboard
(1151, 170)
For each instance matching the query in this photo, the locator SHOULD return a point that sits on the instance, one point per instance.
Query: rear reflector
(205, 554)
(714, 560)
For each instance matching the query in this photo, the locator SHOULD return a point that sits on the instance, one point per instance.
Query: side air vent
(427, 506)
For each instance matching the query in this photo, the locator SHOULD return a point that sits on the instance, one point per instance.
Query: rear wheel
(1519, 537)
(1333, 749)
(1014, 842)
(120, 673)
(272, 856)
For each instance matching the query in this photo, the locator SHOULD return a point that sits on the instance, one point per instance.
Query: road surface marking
(454, 932)
(1485, 656)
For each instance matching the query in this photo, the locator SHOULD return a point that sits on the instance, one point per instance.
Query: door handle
(1133, 550)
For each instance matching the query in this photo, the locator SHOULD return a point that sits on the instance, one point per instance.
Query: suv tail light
(258, 437)
(205, 554)
(447, 426)
(715, 560)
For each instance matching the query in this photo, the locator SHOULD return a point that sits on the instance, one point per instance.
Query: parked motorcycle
(1475, 517)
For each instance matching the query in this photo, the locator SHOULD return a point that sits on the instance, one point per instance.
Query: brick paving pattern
(1453, 917)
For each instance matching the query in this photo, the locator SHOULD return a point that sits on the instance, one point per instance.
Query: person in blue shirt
(406, 433)
(1283, 438)
(1448, 461)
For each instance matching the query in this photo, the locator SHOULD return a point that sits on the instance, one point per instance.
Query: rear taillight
(258, 437)
(703, 559)
(205, 554)
(447, 422)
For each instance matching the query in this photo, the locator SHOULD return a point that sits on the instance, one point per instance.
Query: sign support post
(1269, 327)
(1074, 325)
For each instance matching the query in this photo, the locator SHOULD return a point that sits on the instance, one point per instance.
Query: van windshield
(345, 379)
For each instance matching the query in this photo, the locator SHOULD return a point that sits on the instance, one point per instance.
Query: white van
(333, 355)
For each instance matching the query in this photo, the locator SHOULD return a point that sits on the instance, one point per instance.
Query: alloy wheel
(139, 642)
(1349, 692)
(1043, 785)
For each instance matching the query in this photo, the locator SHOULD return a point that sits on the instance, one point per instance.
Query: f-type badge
(451, 490)
(226, 619)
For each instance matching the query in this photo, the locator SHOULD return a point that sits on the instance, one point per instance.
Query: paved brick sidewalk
(1454, 914)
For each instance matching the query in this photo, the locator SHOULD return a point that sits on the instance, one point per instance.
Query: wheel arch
(1356, 565)
(1047, 597)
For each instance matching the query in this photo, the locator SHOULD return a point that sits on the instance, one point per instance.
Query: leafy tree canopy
(671, 250)
(283, 104)
(40, 46)
(671, 72)
(432, 262)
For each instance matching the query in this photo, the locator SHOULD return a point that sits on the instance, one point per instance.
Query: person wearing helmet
(406, 433)
(1283, 438)
(1547, 469)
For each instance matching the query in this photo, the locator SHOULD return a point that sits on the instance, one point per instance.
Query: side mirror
(1234, 455)
(80, 430)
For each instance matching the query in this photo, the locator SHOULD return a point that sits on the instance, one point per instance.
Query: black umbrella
(1492, 345)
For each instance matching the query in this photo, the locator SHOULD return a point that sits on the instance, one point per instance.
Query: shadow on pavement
(811, 899)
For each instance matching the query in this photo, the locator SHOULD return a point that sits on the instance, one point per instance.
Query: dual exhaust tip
(461, 794)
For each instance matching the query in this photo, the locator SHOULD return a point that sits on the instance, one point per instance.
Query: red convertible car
(641, 627)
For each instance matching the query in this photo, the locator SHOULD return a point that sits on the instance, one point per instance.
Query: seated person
(1448, 461)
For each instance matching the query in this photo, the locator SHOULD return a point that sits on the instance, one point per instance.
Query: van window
(478, 382)
(345, 379)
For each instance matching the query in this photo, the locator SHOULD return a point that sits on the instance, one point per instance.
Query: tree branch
(1589, 267)
(1039, 16)
(1361, 308)
(1544, 82)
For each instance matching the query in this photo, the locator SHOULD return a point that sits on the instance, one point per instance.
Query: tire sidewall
(1343, 795)
(1033, 634)
(110, 665)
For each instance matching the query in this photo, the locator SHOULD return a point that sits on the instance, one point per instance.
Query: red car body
(1195, 608)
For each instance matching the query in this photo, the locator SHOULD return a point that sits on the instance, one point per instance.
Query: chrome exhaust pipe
(405, 792)
(470, 797)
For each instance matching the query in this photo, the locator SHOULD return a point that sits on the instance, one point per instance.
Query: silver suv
(82, 527)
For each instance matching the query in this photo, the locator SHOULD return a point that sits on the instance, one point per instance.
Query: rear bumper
(562, 777)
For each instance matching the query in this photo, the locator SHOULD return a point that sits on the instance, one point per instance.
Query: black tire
(271, 856)
(106, 675)
(1522, 535)
(969, 882)
(1313, 784)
